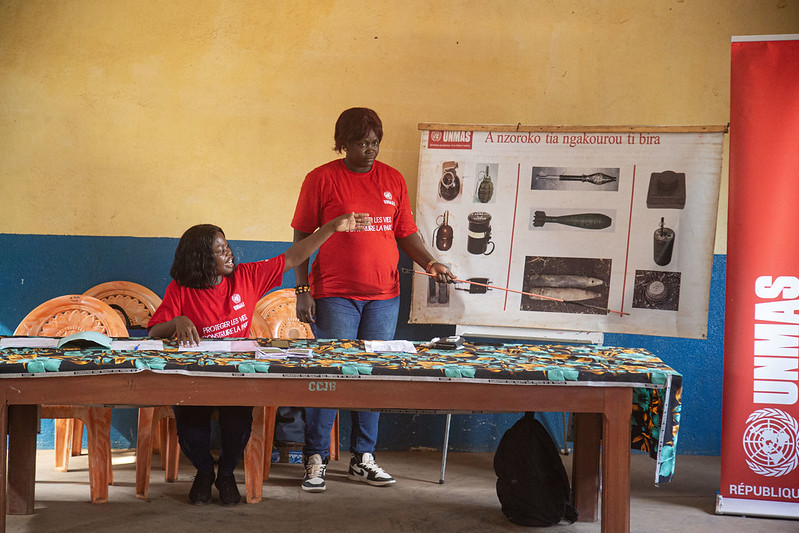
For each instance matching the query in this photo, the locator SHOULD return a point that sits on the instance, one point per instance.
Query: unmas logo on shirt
(388, 198)
(236, 298)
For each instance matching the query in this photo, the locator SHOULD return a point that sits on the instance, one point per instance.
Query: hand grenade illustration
(442, 235)
(485, 190)
(449, 187)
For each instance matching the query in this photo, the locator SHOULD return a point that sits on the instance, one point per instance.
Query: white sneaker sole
(374, 483)
(313, 489)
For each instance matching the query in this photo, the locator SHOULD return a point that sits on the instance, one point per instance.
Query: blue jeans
(342, 318)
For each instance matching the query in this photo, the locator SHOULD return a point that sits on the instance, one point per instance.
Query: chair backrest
(279, 310)
(259, 329)
(135, 303)
(72, 313)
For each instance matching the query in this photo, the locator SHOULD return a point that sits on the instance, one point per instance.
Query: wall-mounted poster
(607, 229)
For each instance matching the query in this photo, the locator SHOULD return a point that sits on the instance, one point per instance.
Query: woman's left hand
(351, 222)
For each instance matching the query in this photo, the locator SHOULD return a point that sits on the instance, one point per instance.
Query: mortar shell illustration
(581, 220)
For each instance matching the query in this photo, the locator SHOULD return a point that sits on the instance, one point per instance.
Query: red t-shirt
(361, 265)
(225, 310)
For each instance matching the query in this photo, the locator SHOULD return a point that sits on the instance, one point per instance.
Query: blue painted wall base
(35, 268)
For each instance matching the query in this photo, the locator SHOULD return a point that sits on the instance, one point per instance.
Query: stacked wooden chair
(60, 317)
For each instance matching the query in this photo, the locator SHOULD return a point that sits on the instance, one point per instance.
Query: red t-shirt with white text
(361, 265)
(224, 310)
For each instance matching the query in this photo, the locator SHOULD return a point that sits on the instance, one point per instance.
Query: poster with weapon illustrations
(605, 229)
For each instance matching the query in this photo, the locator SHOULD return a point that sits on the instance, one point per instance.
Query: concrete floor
(466, 502)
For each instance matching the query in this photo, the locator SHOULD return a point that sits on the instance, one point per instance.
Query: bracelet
(300, 289)
(430, 265)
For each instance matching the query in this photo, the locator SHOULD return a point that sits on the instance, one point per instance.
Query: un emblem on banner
(771, 442)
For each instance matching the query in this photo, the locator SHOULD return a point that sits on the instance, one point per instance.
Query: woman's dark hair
(194, 264)
(353, 125)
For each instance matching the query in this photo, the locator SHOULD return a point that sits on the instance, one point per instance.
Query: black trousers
(194, 434)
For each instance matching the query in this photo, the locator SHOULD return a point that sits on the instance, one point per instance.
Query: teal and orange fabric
(657, 388)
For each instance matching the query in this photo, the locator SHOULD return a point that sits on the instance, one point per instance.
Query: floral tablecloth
(657, 388)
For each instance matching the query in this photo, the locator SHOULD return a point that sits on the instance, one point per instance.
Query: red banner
(760, 422)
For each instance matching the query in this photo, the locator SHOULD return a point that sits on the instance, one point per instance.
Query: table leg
(3, 459)
(269, 438)
(21, 472)
(98, 437)
(585, 465)
(170, 448)
(144, 450)
(254, 457)
(616, 461)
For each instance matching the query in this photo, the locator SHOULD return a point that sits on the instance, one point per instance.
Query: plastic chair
(156, 430)
(135, 303)
(59, 317)
(259, 329)
(279, 310)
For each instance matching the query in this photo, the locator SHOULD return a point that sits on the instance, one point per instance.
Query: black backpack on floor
(532, 484)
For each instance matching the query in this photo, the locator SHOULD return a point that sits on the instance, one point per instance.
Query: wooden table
(601, 407)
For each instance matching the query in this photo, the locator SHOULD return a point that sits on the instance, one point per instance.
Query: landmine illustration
(655, 289)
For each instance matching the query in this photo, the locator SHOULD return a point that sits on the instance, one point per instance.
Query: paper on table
(389, 346)
(207, 346)
(244, 346)
(28, 342)
(279, 353)
(270, 353)
(299, 352)
(132, 346)
(215, 345)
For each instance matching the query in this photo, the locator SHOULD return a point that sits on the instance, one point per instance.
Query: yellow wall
(143, 117)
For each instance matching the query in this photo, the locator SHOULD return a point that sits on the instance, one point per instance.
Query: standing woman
(212, 296)
(352, 291)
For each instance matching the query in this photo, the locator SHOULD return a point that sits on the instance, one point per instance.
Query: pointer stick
(620, 313)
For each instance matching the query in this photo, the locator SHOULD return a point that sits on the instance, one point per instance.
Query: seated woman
(211, 296)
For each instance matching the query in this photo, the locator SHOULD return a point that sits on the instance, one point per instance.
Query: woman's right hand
(185, 332)
(306, 307)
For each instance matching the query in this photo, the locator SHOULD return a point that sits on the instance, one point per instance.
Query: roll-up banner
(760, 419)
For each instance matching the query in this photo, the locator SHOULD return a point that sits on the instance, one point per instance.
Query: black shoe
(200, 492)
(228, 491)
